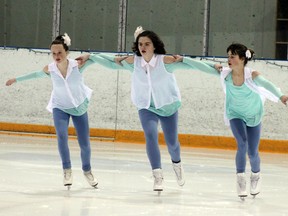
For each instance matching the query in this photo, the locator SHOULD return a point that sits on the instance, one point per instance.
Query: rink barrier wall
(130, 136)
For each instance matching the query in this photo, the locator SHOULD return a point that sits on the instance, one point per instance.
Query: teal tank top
(243, 103)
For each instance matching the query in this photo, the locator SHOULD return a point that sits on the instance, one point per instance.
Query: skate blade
(95, 186)
(242, 198)
(254, 195)
(68, 186)
(158, 191)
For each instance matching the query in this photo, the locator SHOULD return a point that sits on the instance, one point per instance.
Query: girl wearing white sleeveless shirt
(69, 98)
(155, 93)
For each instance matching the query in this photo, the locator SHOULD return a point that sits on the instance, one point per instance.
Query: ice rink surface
(31, 182)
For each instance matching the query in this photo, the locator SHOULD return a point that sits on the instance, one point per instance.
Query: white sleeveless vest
(152, 80)
(69, 92)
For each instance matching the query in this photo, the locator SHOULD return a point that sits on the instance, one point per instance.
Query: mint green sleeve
(171, 68)
(106, 60)
(261, 81)
(111, 58)
(204, 66)
(33, 75)
(127, 66)
(86, 64)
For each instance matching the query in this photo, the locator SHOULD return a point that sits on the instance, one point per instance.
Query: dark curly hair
(240, 50)
(157, 43)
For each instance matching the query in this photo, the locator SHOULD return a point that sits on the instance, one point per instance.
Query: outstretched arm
(34, 75)
(261, 81)
(204, 66)
(189, 63)
(106, 60)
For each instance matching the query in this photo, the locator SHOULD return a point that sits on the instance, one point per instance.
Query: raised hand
(218, 67)
(10, 82)
(82, 59)
(284, 99)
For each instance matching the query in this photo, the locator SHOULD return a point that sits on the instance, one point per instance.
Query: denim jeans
(61, 122)
(247, 139)
(149, 121)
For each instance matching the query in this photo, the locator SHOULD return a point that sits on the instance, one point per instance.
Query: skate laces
(241, 182)
(178, 170)
(158, 178)
(67, 174)
(254, 180)
(89, 175)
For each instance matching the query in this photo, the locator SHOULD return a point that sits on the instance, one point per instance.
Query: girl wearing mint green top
(69, 98)
(155, 93)
(245, 91)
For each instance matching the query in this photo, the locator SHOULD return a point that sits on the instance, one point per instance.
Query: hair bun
(138, 31)
(66, 39)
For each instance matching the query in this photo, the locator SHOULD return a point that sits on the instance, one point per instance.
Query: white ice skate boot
(68, 177)
(90, 178)
(178, 169)
(241, 185)
(255, 185)
(158, 179)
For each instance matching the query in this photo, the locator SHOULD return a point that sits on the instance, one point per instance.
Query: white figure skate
(90, 178)
(68, 178)
(241, 186)
(255, 184)
(158, 180)
(179, 171)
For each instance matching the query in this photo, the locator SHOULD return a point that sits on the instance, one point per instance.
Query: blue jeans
(247, 139)
(149, 121)
(61, 122)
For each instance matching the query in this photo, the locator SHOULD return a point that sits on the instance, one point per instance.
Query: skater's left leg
(170, 129)
(83, 135)
(253, 153)
(253, 147)
(81, 125)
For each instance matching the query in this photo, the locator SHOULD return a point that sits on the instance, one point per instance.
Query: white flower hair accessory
(138, 31)
(66, 39)
(248, 54)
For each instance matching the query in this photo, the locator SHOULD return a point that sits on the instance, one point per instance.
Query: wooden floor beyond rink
(31, 181)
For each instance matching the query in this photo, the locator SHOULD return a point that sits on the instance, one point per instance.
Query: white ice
(31, 182)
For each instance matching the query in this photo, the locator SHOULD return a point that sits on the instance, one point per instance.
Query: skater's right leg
(158, 179)
(61, 122)
(239, 131)
(241, 185)
(68, 177)
(149, 122)
(238, 128)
